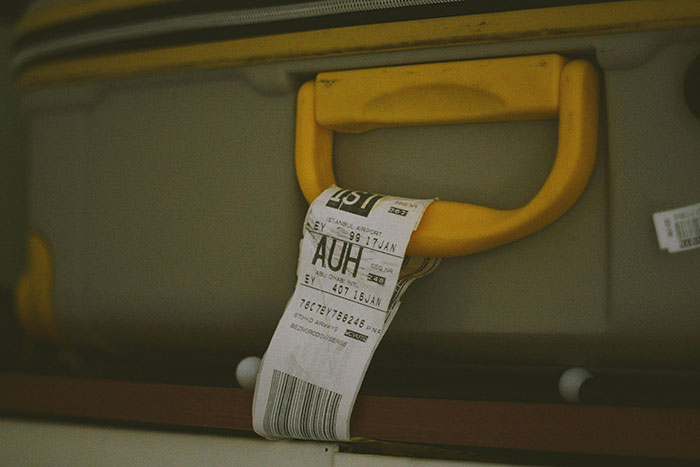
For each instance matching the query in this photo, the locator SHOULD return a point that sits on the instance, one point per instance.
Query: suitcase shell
(166, 192)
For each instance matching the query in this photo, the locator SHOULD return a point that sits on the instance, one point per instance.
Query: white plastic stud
(247, 372)
(570, 383)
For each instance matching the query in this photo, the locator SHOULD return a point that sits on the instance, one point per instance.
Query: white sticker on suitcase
(678, 229)
(350, 278)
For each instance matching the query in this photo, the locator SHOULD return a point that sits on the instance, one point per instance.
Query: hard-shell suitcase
(167, 210)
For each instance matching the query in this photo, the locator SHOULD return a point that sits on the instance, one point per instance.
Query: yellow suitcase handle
(520, 88)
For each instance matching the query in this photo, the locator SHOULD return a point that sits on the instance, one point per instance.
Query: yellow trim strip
(546, 23)
(46, 15)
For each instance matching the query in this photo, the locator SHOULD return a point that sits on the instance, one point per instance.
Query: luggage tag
(678, 229)
(351, 275)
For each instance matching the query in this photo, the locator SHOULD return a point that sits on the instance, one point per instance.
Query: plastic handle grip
(520, 88)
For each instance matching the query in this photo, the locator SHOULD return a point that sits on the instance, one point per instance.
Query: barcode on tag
(688, 228)
(678, 229)
(299, 409)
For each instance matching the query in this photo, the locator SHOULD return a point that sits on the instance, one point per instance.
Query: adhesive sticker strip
(678, 229)
(351, 275)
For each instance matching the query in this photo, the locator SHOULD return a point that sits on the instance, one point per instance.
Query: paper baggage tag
(678, 229)
(350, 278)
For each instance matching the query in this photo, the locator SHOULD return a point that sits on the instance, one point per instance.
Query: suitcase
(167, 212)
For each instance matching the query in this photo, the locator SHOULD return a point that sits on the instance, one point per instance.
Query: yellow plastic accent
(34, 293)
(510, 26)
(313, 146)
(450, 228)
(522, 88)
